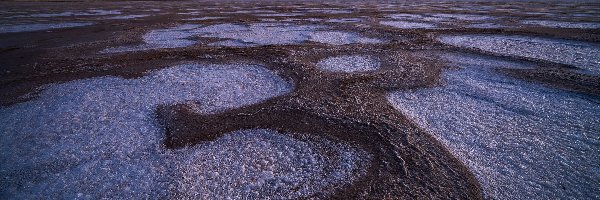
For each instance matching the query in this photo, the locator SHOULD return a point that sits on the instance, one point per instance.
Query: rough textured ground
(522, 140)
(226, 99)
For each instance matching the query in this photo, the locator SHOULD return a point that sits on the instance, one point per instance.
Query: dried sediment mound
(514, 135)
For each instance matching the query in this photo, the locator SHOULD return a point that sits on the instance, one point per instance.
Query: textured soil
(408, 163)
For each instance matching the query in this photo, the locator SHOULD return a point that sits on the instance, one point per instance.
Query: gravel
(408, 25)
(98, 138)
(349, 63)
(263, 164)
(583, 55)
(521, 140)
(40, 27)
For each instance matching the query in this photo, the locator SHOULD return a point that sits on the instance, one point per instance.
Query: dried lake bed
(300, 100)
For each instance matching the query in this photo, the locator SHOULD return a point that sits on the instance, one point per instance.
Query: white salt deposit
(521, 140)
(280, 14)
(190, 13)
(262, 164)
(175, 37)
(244, 35)
(204, 18)
(340, 38)
(579, 54)
(464, 17)
(349, 63)
(345, 20)
(330, 11)
(559, 24)
(439, 17)
(248, 11)
(408, 25)
(405, 16)
(128, 16)
(486, 25)
(259, 34)
(70, 13)
(40, 27)
(98, 138)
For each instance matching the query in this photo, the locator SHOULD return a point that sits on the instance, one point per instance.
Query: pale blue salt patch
(561, 24)
(190, 13)
(405, 16)
(486, 25)
(583, 55)
(294, 20)
(349, 63)
(70, 13)
(249, 11)
(101, 12)
(330, 11)
(244, 36)
(204, 18)
(521, 140)
(40, 27)
(258, 34)
(176, 37)
(280, 14)
(275, 20)
(416, 17)
(280, 34)
(263, 164)
(233, 43)
(340, 38)
(345, 20)
(128, 16)
(408, 25)
(464, 17)
(98, 138)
